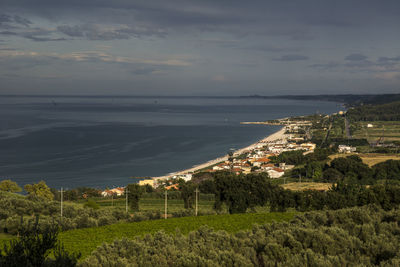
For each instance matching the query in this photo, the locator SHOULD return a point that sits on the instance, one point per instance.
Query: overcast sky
(204, 47)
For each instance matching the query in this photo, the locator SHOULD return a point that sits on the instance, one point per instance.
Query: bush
(350, 237)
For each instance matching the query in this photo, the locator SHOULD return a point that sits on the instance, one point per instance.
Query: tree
(240, 192)
(9, 186)
(332, 175)
(187, 193)
(32, 247)
(39, 190)
(135, 191)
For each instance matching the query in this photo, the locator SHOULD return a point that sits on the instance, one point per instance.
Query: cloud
(358, 64)
(34, 34)
(13, 21)
(292, 57)
(108, 32)
(389, 59)
(356, 57)
(219, 78)
(144, 71)
(90, 56)
(326, 66)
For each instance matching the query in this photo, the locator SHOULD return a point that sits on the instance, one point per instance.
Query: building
(275, 173)
(147, 182)
(346, 149)
(119, 191)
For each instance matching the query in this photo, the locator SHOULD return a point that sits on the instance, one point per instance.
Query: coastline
(278, 135)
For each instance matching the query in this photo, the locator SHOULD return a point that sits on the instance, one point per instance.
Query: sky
(204, 47)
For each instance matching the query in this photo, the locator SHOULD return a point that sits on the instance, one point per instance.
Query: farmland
(389, 129)
(86, 240)
(370, 158)
(156, 203)
(307, 186)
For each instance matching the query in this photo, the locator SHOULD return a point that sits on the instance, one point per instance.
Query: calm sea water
(103, 141)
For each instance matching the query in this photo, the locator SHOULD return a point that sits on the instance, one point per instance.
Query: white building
(346, 149)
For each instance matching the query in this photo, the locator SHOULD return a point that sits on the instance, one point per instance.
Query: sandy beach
(279, 135)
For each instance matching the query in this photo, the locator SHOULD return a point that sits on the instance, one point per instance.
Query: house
(173, 186)
(276, 173)
(119, 191)
(346, 149)
(369, 125)
(186, 177)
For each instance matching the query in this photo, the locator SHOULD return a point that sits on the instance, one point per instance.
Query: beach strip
(279, 135)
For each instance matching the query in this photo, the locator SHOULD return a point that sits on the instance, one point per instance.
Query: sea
(105, 141)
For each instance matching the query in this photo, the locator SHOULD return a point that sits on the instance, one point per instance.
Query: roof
(263, 160)
(278, 170)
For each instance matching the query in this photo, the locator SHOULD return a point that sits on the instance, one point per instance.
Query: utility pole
(197, 199)
(112, 200)
(166, 204)
(126, 199)
(61, 202)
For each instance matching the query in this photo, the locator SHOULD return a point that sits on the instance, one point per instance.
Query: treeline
(240, 193)
(349, 169)
(350, 237)
(385, 112)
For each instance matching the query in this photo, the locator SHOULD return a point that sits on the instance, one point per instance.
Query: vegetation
(39, 190)
(357, 236)
(135, 191)
(384, 112)
(389, 130)
(86, 240)
(32, 247)
(15, 208)
(9, 186)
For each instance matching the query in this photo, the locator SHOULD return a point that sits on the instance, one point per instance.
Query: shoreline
(278, 135)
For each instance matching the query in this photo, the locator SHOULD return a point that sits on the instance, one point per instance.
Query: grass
(307, 186)
(4, 239)
(86, 240)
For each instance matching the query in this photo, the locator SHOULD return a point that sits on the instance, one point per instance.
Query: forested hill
(348, 99)
(385, 112)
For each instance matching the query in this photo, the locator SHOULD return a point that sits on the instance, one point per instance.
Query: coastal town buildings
(118, 191)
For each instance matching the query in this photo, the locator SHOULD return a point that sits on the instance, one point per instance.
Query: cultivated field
(389, 129)
(307, 186)
(370, 158)
(87, 239)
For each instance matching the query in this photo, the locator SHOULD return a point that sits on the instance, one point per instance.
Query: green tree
(33, 246)
(135, 191)
(39, 190)
(187, 193)
(9, 186)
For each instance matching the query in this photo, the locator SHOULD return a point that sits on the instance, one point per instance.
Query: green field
(156, 204)
(87, 239)
(389, 129)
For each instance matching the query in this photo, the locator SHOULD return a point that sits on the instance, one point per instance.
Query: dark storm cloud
(293, 19)
(356, 57)
(291, 58)
(13, 21)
